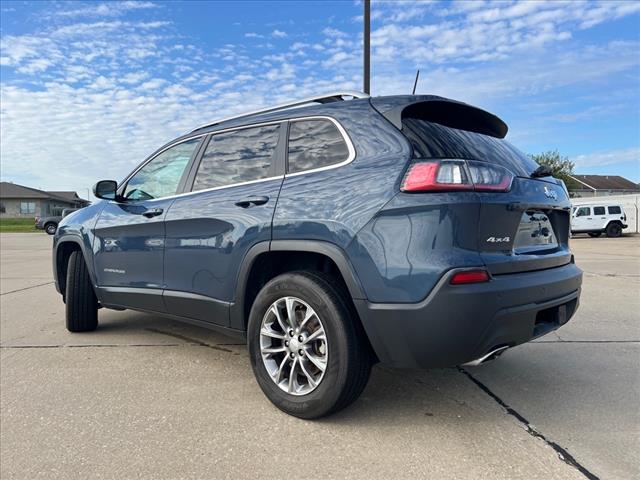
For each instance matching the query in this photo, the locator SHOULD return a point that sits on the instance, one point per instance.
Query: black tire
(80, 299)
(614, 230)
(50, 228)
(349, 358)
(595, 234)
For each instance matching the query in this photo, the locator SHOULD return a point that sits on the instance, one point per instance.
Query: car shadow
(399, 397)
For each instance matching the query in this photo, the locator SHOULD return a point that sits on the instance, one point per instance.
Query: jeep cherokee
(332, 233)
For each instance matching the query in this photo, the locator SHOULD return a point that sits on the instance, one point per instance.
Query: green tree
(561, 167)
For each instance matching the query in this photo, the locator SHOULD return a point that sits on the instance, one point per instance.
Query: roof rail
(325, 98)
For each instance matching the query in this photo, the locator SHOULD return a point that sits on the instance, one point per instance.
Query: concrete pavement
(147, 397)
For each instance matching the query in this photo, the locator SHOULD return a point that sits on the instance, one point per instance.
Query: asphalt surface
(147, 397)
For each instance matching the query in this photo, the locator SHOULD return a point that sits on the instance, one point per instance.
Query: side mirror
(106, 189)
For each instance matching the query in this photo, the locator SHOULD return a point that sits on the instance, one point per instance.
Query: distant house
(19, 201)
(602, 185)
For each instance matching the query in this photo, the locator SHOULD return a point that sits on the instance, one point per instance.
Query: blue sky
(90, 88)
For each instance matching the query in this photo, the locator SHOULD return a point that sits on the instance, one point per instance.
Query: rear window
(315, 144)
(598, 210)
(431, 140)
(615, 210)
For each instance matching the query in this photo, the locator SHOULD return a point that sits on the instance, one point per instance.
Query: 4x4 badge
(550, 193)
(498, 239)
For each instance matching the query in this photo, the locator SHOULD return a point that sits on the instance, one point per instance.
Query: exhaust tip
(492, 355)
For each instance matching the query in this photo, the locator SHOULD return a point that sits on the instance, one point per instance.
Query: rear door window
(236, 157)
(315, 144)
(615, 210)
(598, 211)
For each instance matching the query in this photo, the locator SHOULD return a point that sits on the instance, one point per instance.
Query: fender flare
(66, 239)
(330, 250)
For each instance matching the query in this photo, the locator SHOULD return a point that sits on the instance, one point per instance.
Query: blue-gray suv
(332, 233)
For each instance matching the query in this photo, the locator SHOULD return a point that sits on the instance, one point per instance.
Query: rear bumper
(458, 324)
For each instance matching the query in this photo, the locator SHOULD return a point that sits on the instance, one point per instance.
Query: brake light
(469, 276)
(456, 175)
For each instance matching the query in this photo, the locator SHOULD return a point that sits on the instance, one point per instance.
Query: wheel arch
(64, 246)
(269, 259)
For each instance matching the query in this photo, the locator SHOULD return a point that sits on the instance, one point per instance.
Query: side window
(598, 210)
(583, 212)
(615, 211)
(238, 156)
(161, 176)
(315, 144)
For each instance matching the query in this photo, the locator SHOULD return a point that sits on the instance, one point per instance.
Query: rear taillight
(456, 175)
(469, 276)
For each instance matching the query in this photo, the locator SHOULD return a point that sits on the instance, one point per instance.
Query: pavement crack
(93, 345)
(192, 341)
(610, 274)
(563, 455)
(560, 340)
(26, 288)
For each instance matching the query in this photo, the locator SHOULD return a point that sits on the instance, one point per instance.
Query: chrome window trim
(345, 137)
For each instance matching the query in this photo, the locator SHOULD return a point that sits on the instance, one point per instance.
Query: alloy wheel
(293, 346)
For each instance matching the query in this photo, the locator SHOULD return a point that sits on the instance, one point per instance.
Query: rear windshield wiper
(542, 171)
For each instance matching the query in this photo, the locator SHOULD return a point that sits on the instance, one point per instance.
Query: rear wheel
(614, 230)
(307, 354)
(595, 234)
(80, 299)
(50, 228)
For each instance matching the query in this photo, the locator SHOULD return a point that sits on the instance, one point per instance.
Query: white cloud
(279, 34)
(613, 157)
(334, 33)
(110, 9)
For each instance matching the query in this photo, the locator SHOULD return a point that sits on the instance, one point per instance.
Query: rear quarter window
(315, 144)
(615, 210)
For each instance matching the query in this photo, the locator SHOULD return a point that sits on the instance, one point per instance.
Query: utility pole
(367, 46)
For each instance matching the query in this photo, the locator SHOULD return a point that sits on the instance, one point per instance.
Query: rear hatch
(526, 228)
(523, 222)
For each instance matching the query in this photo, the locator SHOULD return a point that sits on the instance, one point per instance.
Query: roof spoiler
(449, 113)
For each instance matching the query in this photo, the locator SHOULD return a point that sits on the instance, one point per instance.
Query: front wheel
(307, 352)
(80, 299)
(50, 228)
(614, 230)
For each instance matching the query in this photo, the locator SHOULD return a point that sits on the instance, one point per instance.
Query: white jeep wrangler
(595, 219)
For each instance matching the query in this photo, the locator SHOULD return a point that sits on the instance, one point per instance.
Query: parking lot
(147, 397)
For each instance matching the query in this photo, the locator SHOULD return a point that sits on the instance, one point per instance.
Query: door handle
(247, 202)
(154, 212)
